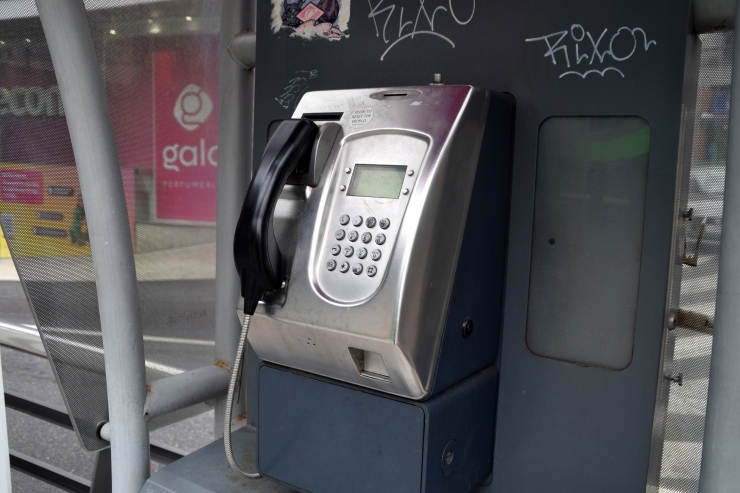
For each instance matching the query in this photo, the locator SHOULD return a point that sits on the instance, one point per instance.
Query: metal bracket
(694, 321)
(677, 379)
(243, 49)
(693, 260)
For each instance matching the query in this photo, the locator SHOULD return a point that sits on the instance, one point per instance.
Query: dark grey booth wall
(561, 427)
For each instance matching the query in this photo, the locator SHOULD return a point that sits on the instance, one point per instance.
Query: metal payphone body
(392, 292)
(378, 244)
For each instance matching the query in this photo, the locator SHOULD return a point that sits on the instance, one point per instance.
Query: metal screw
(342, 188)
(410, 172)
(437, 80)
(671, 321)
(348, 170)
(449, 457)
(405, 191)
(467, 327)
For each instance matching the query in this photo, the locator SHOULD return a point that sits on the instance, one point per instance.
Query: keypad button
(371, 270)
(361, 252)
(349, 251)
(357, 269)
(384, 223)
(344, 267)
(339, 234)
(370, 222)
(357, 221)
(353, 235)
(380, 238)
(344, 219)
(375, 255)
(331, 265)
(335, 249)
(367, 237)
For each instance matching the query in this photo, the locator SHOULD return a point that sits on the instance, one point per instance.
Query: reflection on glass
(159, 63)
(587, 239)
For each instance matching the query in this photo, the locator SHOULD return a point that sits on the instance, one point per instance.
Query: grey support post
(236, 115)
(76, 67)
(721, 456)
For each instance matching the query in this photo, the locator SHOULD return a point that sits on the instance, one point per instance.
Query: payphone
(378, 320)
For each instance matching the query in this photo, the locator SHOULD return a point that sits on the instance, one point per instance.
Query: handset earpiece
(257, 255)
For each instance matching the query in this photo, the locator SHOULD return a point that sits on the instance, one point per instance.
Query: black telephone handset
(257, 255)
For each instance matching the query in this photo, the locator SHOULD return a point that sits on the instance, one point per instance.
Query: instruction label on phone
(361, 117)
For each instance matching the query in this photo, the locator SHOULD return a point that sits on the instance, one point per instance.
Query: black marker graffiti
(628, 45)
(425, 27)
(295, 88)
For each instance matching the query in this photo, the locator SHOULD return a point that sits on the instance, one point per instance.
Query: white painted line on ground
(149, 364)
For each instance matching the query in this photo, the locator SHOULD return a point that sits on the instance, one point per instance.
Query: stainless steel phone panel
(360, 246)
(398, 313)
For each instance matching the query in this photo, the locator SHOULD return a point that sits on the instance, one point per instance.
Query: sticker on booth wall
(361, 117)
(310, 19)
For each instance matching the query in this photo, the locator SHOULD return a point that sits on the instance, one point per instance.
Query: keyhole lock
(467, 327)
(448, 457)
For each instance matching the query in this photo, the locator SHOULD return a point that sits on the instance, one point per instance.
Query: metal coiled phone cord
(235, 376)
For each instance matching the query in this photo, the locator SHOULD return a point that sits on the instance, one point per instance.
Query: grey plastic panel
(587, 240)
(303, 434)
(325, 436)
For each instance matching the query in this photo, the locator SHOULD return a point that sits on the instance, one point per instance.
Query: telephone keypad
(349, 251)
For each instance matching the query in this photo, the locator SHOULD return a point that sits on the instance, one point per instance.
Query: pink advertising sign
(22, 187)
(186, 136)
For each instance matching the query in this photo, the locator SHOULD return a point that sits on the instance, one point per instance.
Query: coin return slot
(369, 364)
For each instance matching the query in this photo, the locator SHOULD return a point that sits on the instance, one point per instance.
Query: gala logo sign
(193, 106)
(185, 137)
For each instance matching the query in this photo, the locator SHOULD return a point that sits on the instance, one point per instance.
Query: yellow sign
(41, 211)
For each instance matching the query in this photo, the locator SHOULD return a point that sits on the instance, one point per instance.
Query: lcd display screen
(377, 180)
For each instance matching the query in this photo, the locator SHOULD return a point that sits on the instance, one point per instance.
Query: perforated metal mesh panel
(160, 67)
(150, 53)
(690, 350)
